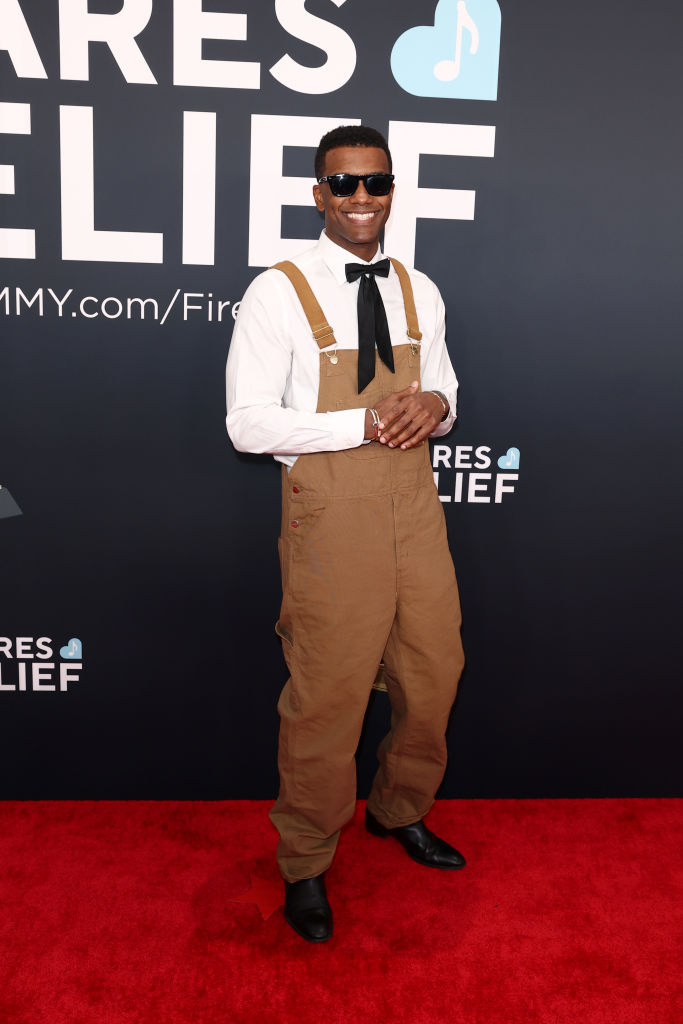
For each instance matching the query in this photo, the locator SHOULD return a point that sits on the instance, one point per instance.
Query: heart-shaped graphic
(73, 650)
(509, 460)
(456, 57)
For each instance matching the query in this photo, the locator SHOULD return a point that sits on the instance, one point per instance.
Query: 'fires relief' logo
(29, 665)
(456, 57)
(467, 473)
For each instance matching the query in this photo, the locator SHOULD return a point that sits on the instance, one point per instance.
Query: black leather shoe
(420, 844)
(307, 909)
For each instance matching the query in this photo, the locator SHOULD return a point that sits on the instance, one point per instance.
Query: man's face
(354, 222)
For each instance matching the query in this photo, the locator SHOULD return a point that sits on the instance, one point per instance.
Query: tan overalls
(367, 577)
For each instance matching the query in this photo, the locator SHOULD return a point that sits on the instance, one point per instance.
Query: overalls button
(295, 489)
(294, 523)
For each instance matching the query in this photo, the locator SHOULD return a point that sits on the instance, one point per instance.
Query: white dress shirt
(273, 370)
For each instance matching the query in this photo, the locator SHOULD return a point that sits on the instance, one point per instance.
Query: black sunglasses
(346, 184)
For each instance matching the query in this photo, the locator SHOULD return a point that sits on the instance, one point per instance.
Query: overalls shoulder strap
(322, 332)
(414, 331)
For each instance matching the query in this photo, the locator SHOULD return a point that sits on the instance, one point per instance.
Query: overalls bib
(367, 577)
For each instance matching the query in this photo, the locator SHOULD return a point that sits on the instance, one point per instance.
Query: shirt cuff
(348, 428)
(442, 428)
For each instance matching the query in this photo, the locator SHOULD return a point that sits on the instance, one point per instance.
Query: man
(338, 367)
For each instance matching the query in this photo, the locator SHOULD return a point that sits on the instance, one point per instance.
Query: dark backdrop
(145, 536)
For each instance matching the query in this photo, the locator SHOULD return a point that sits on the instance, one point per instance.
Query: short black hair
(349, 135)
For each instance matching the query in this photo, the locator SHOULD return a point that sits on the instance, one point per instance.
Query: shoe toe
(307, 909)
(428, 849)
(318, 926)
(448, 857)
(312, 925)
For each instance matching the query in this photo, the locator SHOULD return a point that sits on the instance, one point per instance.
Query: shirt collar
(336, 258)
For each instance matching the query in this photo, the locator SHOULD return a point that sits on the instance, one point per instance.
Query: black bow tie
(372, 319)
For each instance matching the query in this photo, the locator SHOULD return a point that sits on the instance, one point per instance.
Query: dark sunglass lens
(343, 184)
(378, 184)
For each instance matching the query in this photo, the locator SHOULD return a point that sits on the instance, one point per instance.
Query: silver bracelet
(375, 421)
(444, 403)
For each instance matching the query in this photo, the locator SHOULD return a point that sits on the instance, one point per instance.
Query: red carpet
(569, 912)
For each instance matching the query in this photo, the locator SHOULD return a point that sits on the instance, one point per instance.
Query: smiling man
(338, 367)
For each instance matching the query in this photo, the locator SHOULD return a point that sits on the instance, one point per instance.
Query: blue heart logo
(73, 650)
(456, 57)
(509, 460)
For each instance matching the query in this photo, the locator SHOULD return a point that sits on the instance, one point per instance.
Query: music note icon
(448, 70)
(73, 650)
(510, 460)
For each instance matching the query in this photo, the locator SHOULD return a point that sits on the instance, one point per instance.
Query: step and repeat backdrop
(155, 157)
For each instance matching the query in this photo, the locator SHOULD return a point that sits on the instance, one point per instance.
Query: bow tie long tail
(372, 321)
